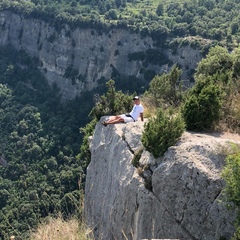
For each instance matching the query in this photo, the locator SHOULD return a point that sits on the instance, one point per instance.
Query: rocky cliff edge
(176, 196)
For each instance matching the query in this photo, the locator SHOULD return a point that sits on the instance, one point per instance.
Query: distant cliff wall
(182, 200)
(76, 59)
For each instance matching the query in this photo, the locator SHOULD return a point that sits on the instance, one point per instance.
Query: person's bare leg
(113, 119)
(116, 120)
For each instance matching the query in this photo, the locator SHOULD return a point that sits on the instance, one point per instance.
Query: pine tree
(162, 131)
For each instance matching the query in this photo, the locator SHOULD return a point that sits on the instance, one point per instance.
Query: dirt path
(228, 135)
(225, 135)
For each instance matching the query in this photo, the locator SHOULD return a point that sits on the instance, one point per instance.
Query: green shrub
(85, 155)
(112, 103)
(232, 178)
(166, 89)
(162, 131)
(232, 188)
(202, 107)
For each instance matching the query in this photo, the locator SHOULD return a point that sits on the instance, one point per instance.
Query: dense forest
(40, 140)
(212, 19)
(43, 149)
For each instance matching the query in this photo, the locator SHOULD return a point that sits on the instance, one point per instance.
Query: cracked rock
(182, 201)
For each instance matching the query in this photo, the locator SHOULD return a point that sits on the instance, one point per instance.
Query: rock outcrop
(76, 59)
(178, 196)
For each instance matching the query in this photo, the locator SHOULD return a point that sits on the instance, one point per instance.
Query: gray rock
(185, 201)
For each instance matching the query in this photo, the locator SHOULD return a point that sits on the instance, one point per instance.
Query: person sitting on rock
(137, 111)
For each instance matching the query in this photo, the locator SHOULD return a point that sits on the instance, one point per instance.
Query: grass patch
(58, 229)
(149, 107)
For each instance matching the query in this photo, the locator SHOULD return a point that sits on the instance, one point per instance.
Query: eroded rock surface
(77, 59)
(185, 197)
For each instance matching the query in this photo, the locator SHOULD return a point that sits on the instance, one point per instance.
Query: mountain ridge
(82, 60)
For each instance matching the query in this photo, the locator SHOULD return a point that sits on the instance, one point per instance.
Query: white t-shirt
(137, 109)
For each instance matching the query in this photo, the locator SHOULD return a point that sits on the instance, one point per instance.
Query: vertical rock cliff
(176, 196)
(76, 59)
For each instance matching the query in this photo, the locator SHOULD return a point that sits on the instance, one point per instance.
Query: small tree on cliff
(162, 131)
(202, 107)
(112, 103)
(214, 99)
(166, 89)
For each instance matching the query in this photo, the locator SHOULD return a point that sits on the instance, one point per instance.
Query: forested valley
(40, 139)
(43, 144)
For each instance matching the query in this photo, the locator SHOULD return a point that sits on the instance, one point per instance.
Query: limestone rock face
(89, 55)
(184, 200)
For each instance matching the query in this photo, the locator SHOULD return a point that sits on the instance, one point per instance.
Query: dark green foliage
(181, 29)
(111, 14)
(213, 97)
(40, 140)
(156, 57)
(70, 204)
(162, 131)
(149, 75)
(217, 61)
(151, 56)
(202, 107)
(112, 103)
(160, 9)
(71, 73)
(85, 155)
(131, 83)
(166, 89)
(211, 19)
(136, 56)
(231, 176)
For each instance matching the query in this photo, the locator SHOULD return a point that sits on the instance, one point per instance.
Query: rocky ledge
(176, 196)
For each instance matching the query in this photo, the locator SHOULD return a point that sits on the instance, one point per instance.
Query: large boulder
(176, 196)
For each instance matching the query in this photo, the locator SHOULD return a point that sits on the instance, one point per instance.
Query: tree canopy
(212, 19)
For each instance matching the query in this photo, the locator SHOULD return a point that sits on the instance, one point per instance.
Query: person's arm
(141, 115)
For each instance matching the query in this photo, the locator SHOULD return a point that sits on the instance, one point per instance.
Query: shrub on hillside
(112, 103)
(232, 190)
(202, 107)
(219, 68)
(162, 131)
(166, 89)
(85, 155)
